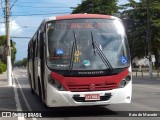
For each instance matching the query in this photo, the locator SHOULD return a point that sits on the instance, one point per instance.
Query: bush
(3, 67)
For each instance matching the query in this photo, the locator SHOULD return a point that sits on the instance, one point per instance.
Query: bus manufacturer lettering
(93, 72)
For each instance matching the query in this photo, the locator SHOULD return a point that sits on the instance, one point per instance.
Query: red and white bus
(80, 59)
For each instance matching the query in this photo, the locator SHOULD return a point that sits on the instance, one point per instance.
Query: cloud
(14, 27)
(2, 29)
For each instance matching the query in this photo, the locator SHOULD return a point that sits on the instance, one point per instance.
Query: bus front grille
(86, 88)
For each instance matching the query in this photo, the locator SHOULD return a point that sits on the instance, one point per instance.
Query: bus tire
(39, 89)
(32, 91)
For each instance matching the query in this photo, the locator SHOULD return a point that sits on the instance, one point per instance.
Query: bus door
(33, 65)
(36, 64)
(42, 61)
(30, 64)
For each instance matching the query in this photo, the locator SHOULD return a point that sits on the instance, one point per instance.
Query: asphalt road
(145, 99)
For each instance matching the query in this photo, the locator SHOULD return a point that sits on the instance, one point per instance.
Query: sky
(26, 16)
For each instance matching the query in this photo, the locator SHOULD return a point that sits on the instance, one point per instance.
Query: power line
(45, 3)
(40, 7)
(22, 37)
(39, 12)
(2, 4)
(42, 14)
(13, 4)
(27, 26)
(3, 10)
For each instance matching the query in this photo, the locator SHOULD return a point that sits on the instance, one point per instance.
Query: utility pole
(9, 65)
(149, 38)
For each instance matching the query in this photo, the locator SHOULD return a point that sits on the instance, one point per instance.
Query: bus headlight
(55, 83)
(124, 82)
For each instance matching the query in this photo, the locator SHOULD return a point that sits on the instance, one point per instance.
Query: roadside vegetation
(21, 63)
(3, 55)
(3, 67)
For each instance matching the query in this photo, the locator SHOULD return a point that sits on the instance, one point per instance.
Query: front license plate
(92, 97)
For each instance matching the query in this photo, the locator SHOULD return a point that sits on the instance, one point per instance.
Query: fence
(144, 72)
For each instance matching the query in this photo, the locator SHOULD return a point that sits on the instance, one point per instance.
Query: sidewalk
(7, 96)
(145, 74)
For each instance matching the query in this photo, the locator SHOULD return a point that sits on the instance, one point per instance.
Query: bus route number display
(85, 25)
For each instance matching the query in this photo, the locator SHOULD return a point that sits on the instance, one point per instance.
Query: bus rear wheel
(39, 88)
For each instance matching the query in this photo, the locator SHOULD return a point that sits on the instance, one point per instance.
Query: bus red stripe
(101, 83)
(76, 16)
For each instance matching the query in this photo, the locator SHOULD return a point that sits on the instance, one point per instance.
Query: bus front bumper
(57, 98)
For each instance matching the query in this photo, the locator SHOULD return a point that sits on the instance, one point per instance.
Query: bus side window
(41, 43)
(36, 47)
(31, 51)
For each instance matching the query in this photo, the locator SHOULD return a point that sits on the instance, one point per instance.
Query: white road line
(147, 87)
(27, 104)
(5, 86)
(18, 106)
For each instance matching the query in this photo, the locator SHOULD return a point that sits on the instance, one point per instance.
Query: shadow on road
(79, 111)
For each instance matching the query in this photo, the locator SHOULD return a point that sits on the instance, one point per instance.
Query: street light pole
(149, 38)
(9, 65)
(17, 30)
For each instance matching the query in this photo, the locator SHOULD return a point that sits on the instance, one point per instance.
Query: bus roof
(75, 16)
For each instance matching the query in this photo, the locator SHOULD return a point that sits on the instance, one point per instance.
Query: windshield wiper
(101, 54)
(74, 48)
(93, 44)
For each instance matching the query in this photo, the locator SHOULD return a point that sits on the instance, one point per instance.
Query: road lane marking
(18, 105)
(27, 104)
(147, 87)
(21, 75)
(5, 85)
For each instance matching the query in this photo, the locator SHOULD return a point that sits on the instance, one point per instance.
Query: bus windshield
(86, 44)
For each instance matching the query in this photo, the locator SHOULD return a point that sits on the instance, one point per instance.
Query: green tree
(13, 49)
(2, 40)
(135, 18)
(97, 7)
(3, 67)
(21, 63)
